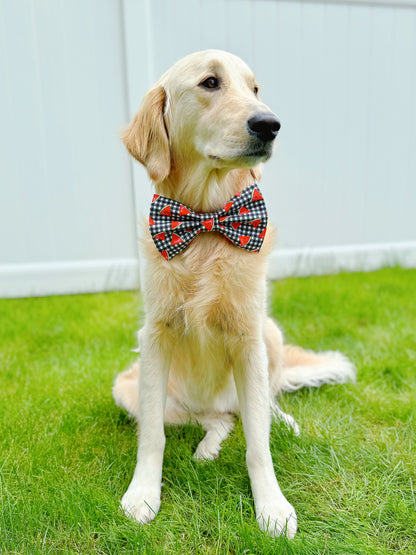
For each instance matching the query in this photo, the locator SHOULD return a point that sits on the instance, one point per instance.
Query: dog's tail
(303, 368)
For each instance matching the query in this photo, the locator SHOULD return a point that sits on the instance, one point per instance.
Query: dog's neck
(203, 188)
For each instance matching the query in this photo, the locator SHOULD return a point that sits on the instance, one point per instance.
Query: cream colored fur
(208, 348)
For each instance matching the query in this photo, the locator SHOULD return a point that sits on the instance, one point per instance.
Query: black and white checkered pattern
(242, 220)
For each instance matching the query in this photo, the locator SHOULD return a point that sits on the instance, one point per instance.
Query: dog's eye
(210, 83)
(256, 90)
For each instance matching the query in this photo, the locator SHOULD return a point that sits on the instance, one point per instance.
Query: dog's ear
(146, 136)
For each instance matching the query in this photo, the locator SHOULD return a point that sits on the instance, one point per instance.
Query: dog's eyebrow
(213, 68)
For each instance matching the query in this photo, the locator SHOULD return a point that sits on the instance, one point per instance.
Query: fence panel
(66, 210)
(341, 76)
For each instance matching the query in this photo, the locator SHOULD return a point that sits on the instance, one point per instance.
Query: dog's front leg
(273, 512)
(142, 498)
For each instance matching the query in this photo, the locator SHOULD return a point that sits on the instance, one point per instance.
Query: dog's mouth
(256, 153)
(251, 155)
(264, 152)
(258, 147)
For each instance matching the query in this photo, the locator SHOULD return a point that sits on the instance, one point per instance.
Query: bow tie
(242, 220)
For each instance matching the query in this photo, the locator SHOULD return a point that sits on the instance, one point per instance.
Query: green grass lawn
(67, 453)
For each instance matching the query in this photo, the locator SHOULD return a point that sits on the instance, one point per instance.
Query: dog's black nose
(265, 126)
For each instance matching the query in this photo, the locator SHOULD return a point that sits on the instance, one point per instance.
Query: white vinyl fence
(340, 75)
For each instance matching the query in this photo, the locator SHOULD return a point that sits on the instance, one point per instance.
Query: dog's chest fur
(212, 286)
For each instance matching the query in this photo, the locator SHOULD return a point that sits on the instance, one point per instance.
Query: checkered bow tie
(242, 220)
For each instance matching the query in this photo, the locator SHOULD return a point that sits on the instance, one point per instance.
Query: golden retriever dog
(208, 350)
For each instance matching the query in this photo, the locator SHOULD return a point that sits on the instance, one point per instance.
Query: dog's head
(204, 110)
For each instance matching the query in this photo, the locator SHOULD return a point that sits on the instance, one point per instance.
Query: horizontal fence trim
(93, 276)
(376, 3)
(317, 261)
(69, 277)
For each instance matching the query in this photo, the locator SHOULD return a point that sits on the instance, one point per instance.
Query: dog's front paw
(142, 504)
(278, 518)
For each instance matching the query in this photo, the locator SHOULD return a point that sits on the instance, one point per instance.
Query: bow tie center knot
(209, 222)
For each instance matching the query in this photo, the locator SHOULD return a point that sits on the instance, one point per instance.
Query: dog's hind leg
(217, 426)
(278, 414)
(126, 390)
(126, 395)
(275, 353)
